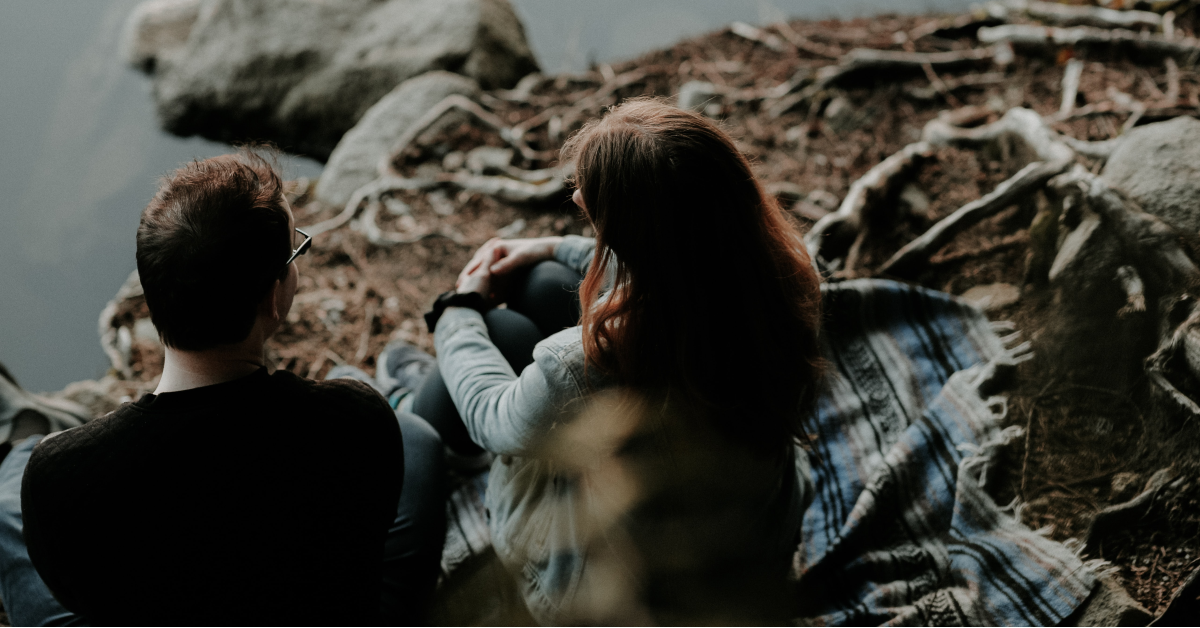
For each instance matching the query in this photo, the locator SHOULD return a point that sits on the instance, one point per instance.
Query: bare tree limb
(1027, 181)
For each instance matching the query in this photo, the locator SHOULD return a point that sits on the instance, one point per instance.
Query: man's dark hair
(209, 246)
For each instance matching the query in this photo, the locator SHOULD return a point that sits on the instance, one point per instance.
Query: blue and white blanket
(900, 530)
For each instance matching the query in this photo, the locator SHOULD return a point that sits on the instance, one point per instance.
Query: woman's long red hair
(716, 305)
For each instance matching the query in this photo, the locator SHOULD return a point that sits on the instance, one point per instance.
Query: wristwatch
(450, 298)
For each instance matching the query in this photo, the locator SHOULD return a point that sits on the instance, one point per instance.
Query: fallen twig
(1026, 181)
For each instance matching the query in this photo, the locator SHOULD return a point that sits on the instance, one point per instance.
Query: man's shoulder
(336, 394)
(94, 433)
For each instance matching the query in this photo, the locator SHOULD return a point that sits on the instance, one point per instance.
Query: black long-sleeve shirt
(264, 500)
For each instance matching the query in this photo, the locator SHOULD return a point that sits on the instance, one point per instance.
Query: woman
(646, 463)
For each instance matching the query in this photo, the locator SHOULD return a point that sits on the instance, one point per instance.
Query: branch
(1028, 180)
(829, 238)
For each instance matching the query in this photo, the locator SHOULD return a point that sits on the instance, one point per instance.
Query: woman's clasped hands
(494, 262)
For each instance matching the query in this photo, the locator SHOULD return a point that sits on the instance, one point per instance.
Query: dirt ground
(1094, 434)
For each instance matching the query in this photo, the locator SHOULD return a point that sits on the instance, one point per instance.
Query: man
(232, 494)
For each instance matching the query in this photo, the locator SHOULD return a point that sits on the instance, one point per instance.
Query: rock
(697, 96)
(16, 401)
(156, 30)
(915, 199)
(441, 203)
(1109, 605)
(99, 396)
(992, 296)
(301, 73)
(454, 160)
(145, 331)
(1158, 165)
(1124, 485)
(355, 161)
(489, 159)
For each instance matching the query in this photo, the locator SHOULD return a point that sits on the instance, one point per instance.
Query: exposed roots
(829, 239)
(1053, 38)
(1021, 185)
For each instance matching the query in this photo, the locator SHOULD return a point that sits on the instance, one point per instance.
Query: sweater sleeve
(505, 413)
(576, 253)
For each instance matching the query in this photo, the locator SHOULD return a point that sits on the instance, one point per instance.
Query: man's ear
(269, 306)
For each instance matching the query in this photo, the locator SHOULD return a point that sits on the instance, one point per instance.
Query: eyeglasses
(300, 250)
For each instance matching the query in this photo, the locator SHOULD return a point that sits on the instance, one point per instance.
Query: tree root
(756, 34)
(1052, 37)
(1027, 181)
(830, 237)
(1072, 15)
(1024, 124)
(887, 63)
(1125, 515)
(521, 186)
(1162, 263)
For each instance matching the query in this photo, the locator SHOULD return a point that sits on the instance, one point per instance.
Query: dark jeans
(544, 301)
(412, 551)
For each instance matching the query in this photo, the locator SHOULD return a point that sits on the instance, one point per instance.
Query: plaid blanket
(900, 530)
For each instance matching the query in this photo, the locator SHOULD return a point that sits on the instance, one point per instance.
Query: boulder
(156, 30)
(301, 73)
(355, 160)
(17, 404)
(1109, 605)
(1158, 165)
(993, 296)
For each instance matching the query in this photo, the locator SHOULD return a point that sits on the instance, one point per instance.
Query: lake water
(80, 150)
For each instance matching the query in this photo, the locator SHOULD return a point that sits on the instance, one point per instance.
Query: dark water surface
(80, 150)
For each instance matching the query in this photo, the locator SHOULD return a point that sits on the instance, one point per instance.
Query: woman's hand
(503, 256)
(476, 277)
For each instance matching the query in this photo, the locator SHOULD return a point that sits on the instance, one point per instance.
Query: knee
(552, 279)
(423, 450)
